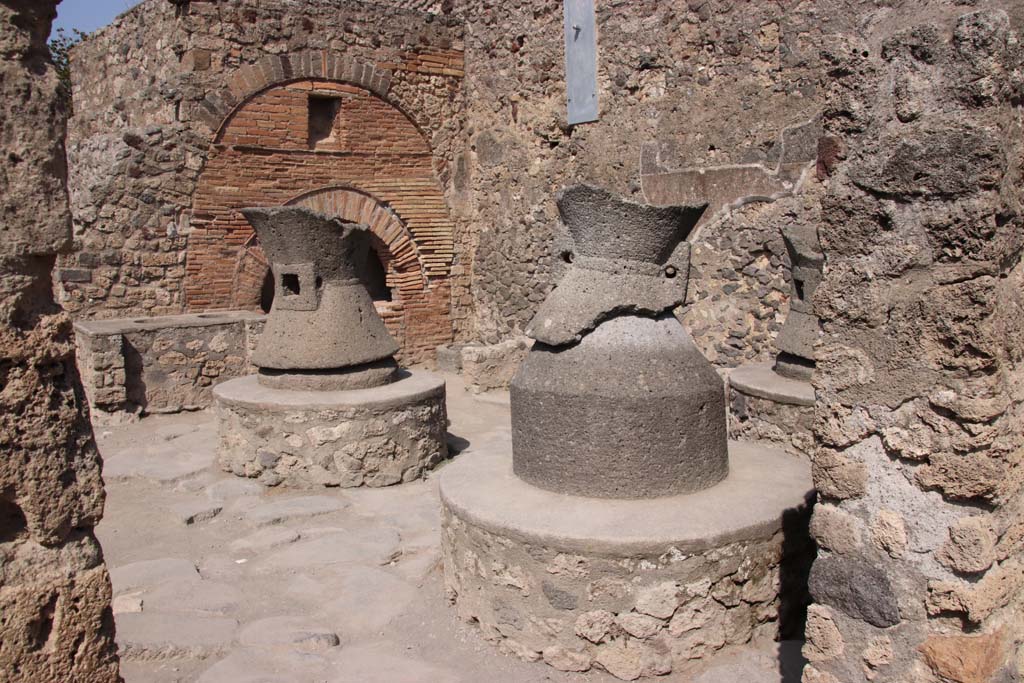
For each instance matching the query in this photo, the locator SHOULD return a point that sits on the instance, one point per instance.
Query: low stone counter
(634, 587)
(765, 406)
(306, 439)
(162, 364)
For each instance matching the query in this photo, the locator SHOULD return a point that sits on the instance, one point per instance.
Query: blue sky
(89, 15)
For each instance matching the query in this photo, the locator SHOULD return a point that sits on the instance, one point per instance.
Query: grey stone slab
(196, 511)
(159, 635)
(383, 662)
(265, 539)
(362, 545)
(297, 632)
(234, 487)
(412, 386)
(215, 598)
(127, 603)
(94, 328)
(758, 379)
(169, 455)
(763, 483)
(288, 509)
(368, 598)
(160, 467)
(150, 573)
(257, 665)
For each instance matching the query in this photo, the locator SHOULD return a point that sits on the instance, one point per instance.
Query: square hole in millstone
(290, 284)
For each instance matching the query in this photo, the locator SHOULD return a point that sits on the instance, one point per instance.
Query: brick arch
(375, 167)
(216, 108)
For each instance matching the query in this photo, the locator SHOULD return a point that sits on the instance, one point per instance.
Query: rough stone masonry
(55, 619)
(919, 407)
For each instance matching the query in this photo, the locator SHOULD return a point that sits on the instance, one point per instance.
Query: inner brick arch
(376, 166)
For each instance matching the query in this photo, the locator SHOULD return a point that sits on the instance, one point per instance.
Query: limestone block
(490, 367)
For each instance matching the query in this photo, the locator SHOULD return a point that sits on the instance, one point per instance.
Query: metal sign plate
(580, 60)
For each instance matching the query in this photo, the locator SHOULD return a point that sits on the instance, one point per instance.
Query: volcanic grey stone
(632, 411)
(322, 317)
(748, 505)
(160, 635)
(151, 573)
(855, 587)
(196, 511)
(298, 632)
(760, 380)
(626, 258)
(343, 379)
(280, 511)
(800, 331)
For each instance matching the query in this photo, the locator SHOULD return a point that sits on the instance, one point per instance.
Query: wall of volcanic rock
(186, 112)
(919, 414)
(711, 100)
(699, 101)
(55, 618)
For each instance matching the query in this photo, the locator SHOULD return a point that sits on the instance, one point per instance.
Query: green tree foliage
(60, 52)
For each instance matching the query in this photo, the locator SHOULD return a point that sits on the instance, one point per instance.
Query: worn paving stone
(265, 539)
(368, 599)
(374, 547)
(180, 453)
(196, 511)
(159, 635)
(301, 633)
(151, 573)
(381, 662)
(257, 665)
(127, 603)
(280, 511)
(158, 467)
(200, 597)
(235, 487)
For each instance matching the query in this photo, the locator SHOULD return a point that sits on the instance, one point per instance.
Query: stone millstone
(632, 411)
(627, 258)
(322, 317)
(800, 331)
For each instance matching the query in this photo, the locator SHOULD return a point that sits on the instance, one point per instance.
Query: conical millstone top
(322, 319)
(625, 258)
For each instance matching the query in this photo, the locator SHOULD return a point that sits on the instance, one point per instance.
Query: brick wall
(373, 166)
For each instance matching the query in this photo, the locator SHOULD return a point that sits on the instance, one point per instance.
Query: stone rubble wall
(484, 367)
(55, 618)
(752, 418)
(632, 617)
(162, 364)
(918, 425)
(703, 100)
(342, 445)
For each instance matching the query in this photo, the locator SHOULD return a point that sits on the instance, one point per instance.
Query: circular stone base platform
(364, 437)
(765, 406)
(634, 587)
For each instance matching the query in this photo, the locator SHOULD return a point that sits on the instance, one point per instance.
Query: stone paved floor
(219, 581)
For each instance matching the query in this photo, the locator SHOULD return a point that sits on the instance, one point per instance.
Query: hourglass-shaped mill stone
(800, 331)
(323, 331)
(615, 400)
(616, 407)
(329, 406)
